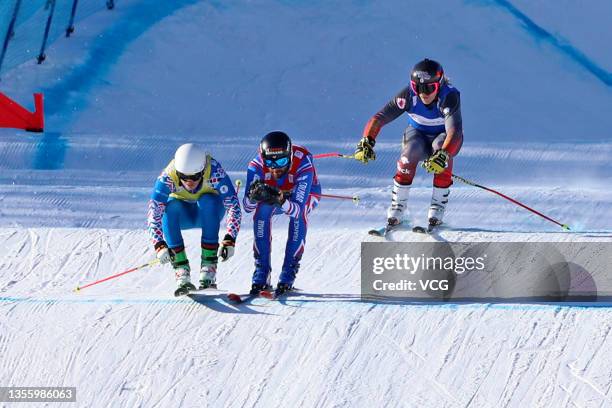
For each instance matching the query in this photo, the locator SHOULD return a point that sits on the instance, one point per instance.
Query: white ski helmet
(190, 159)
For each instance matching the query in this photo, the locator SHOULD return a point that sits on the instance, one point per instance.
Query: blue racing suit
(172, 207)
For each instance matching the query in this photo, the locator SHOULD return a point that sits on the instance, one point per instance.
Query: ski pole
(343, 156)
(354, 198)
(471, 183)
(151, 263)
(238, 184)
(70, 28)
(41, 57)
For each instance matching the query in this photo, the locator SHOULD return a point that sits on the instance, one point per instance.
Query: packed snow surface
(133, 84)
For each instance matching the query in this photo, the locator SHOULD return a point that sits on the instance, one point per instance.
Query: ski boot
(399, 201)
(182, 273)
(183, 281)
(283, 288)
(208, 270)
(208, 277)
(184, 289)
(261, 277)
(256, 288)
(287, 277)
(439, 199)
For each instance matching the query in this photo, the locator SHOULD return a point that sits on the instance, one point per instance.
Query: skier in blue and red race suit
(193, 191)
(434, 135)
(281, 179)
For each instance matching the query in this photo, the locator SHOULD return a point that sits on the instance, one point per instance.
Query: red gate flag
(13, 115)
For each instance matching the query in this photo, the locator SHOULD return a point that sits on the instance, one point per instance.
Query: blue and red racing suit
(303, 191)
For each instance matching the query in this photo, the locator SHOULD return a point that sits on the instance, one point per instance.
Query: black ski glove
(260, 192)
(226, 250)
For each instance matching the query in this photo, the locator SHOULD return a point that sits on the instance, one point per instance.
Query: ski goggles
(278, 163)
(426, 88)
(189, 177)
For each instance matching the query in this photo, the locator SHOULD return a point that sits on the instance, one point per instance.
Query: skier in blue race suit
(434, 135)
(193, 191)
(281, 179)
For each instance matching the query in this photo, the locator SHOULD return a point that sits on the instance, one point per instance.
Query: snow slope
(128, 343)
(134, 84)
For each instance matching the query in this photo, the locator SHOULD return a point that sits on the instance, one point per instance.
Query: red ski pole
(343, 156)
(354, 198)
(471, 183)
(151, 263)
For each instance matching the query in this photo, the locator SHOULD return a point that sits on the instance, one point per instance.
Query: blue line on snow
(69, 96)
(50, 152)
(561, 45)
(92, 301)
(453, 306)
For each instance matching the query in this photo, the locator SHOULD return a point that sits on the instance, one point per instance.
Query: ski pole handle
(151, 263)
(342, 156)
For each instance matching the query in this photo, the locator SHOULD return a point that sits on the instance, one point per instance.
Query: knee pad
(405, 171)
(443, 180)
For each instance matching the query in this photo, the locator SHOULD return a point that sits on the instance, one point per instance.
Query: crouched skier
(193, 191)
(281, 179)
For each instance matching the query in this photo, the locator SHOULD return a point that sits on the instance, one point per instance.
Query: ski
(268, 294)
(378, 232)
(383, 231)
(181, 292)
(423, 230)
(276, 294)
(431, 227)
(184, 289)
(190, 289)
(236, 298)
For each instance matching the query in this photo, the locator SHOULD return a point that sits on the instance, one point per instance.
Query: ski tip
(383, 231)
(234, 297)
